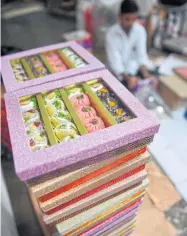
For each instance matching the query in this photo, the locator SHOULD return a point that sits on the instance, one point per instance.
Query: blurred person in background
(126, 48)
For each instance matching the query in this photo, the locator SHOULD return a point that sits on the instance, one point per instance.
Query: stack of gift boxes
(79, 140)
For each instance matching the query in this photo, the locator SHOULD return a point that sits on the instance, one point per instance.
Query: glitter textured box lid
(11, 83)
(30, 164)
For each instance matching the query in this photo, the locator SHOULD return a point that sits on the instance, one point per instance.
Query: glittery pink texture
(119, 228)
(106, 225)
(128, 233)
(11, 83)
(30, 164)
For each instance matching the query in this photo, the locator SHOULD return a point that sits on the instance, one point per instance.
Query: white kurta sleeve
(142, 48)
(114, 57)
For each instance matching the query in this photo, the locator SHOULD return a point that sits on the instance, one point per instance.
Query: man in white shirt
(126, 46)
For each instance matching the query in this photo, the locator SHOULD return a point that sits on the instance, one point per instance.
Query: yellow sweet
(112, 104)
(62, 117)
(97, 85)
(74, 90)
(25, 103)
(50, 109)
(32, 127)
(38, 138)
(119, 112)
(103, 90)
(61, 133)
(51, 95)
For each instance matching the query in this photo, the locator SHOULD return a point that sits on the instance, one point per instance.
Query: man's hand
(154, 81)
(146, 75)
(144, 72)
(132, 82)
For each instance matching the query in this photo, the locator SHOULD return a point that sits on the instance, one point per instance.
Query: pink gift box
(11, 83)
(99, 145)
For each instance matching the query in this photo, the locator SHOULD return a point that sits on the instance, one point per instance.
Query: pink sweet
(52, 62)
(80, 100)
(58, 68)
(52, 57)
(94, 124)
(85, 112)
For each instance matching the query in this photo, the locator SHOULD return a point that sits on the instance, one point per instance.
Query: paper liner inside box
(132, 165)
(11, 84)
(97, 198)
(91, 217)
(51, 183)
(100, 144)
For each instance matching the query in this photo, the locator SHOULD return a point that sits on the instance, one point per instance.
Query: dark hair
(129, 6)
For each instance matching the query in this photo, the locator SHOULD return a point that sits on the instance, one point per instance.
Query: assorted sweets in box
(70, 112)
(72, 120)
(38, 66)
(79, 141)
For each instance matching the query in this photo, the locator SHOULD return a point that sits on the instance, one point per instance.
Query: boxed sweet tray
(37, 66)
(72, 121)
